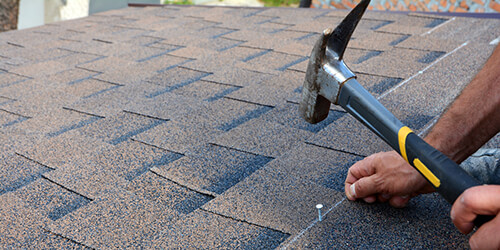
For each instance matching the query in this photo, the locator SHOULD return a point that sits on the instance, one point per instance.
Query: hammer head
(326, 71)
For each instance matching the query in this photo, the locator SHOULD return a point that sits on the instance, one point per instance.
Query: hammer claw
(337, 43)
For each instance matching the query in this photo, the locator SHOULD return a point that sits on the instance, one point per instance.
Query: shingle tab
(213, 168)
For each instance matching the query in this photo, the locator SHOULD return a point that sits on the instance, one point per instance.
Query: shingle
(218, 44)
(274, 41)
(212, 168)
(62, 149)
(87, 178)
(346, 226)
(413, 25)
(167, 193)
(261, 137)
(273, 91)
(346, 134)
(274, 200)
(53, 201)
(8, 119)
(288, 115)
(87, 88)
(119, 220)
(17, 171)
(119, 128)
(178, 137)
(21, 226)
(132, 159)
(35, 97)
(396, 63)
(116, 99)
(322, 166)
(175, 78)
(272, 62)
(5, 100)
(40, 69)
(429, 43)
(466, 29)
(78, 58)
(203, 229)
(164, 106)
(205, 90)
(378, 41)
(224, 114)
(189, 52)
(34, 55)
(425, 96)
(237, 77)
(72, 76)
(57, 122)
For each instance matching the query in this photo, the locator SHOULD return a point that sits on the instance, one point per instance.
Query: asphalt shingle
(178, 127)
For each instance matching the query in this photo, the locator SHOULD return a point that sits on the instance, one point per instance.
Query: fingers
(486, 237)
(383, 177)
(359, 170)
(483, 200)
(399, 201)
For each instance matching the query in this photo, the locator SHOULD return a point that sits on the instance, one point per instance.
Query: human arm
(470, 121)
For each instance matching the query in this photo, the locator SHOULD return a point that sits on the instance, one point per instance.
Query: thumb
(364, 187)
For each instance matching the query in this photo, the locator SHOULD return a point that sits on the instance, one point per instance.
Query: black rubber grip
(446, 176)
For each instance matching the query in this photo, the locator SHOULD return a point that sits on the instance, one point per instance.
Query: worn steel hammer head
(326, 71)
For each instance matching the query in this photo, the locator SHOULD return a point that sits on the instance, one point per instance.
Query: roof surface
(177, 127)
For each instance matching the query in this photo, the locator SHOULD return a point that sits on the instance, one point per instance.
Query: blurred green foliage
(178, 2)
(282, 3)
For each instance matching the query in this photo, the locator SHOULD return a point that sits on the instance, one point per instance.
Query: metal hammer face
(326, 71)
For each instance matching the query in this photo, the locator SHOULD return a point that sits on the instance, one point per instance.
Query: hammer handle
(441, 172)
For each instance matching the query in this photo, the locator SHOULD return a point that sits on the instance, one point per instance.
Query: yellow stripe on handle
(402, 134)
(426, 172)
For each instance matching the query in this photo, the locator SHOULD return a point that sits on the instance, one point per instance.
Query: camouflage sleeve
(484, 165)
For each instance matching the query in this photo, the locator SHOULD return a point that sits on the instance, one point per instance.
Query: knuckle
(467, 198)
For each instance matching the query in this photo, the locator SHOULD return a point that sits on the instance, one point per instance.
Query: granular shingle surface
(178, 127)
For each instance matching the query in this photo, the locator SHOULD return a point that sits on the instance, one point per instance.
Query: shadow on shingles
(332, 117)
(237, 173)
(335, 180)
(431, 57)
(244, 118)
(369, 54)
(399, 40)
(435, 22)
(417, 121)
(165, 159)
(384, 85)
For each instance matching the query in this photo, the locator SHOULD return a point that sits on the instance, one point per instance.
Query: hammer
(329, 80)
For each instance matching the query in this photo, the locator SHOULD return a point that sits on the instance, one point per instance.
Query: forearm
(474, 117)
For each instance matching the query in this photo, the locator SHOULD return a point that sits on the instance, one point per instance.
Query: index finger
(357, 171)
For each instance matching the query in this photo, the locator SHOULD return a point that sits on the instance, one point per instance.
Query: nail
(319, 207)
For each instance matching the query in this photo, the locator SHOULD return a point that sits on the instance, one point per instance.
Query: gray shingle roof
(177, 127)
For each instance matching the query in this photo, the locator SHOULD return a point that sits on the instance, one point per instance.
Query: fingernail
(353, 191)
(404, 196)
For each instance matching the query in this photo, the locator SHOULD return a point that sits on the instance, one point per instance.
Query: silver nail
(319, 207)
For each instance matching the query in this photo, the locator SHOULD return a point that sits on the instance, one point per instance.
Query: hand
(385, 177)
(483, 200)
